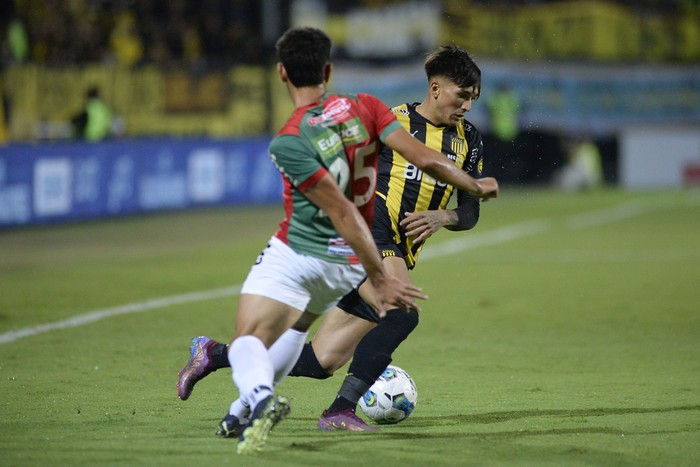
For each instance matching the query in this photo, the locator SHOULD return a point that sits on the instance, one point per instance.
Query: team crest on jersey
(336, 111)
(458, 145)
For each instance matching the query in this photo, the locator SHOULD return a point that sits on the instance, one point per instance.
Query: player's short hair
(455, 64)
(304, 52)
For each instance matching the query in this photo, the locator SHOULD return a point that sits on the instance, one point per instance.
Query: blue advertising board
(73, 181)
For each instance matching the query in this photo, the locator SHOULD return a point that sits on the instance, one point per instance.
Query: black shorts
(383, 234)
(352, 303)
(387, 240)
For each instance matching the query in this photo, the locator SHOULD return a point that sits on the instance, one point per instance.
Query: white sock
(252, 369)
(285, 352)
(240, 409)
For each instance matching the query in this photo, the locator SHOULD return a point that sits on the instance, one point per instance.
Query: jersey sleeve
(386, 122)
(468, 206)
(296, 161)
(475, 165)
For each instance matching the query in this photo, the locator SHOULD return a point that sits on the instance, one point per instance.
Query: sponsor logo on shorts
(386, 253)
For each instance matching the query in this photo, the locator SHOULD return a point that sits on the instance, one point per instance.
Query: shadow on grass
(407, 431)
(498, 417)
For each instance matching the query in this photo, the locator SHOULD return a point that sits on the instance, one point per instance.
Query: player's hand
(489, 188)
(391, 292)
(422, 225)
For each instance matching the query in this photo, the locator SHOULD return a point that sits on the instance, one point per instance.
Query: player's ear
(434, 89)
(327, 72)
(282, 72)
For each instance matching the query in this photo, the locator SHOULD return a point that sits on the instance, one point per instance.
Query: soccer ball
(391, 398)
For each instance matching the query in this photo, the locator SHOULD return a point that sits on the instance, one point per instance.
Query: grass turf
(564, 330)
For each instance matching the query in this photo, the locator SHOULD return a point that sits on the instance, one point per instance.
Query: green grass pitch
(563, 331)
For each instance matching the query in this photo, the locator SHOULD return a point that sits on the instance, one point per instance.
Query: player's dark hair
(304, 52)
(455, 64)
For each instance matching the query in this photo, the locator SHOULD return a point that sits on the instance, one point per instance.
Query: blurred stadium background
(194, 99)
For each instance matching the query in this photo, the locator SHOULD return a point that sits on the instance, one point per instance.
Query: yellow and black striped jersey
(402, 187)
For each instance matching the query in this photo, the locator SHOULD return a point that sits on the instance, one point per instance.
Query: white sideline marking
(606, 215)
(502, 235)
(493, 237)
(98, 315)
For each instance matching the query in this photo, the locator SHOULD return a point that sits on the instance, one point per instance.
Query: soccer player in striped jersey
(326, 153)
(410, 207)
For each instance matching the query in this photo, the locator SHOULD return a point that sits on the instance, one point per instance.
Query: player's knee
(331, 361)
(406, 322)
(308, 365)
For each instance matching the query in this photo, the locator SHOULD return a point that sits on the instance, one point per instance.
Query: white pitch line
(481, 239)
(607, 215)
(450, 247)
(98, 315)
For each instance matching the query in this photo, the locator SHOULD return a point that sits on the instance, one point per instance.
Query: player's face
(453, 102)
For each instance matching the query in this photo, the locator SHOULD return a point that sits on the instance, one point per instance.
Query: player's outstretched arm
(390, 291)
(440, 167)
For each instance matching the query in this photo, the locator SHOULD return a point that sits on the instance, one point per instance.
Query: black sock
(373, 355)
(349, 394)
(308, 365)
(219, 353)
(341, 403)
(373, 352)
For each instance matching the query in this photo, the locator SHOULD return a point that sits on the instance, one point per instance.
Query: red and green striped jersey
(338, 135)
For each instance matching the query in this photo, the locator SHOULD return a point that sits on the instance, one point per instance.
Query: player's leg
(260, 321)
(272, 299)
(336, 340)
(334, 343)
(235, 420)
(371, 357)
(208, 355)
(283, 353)
(305, 283)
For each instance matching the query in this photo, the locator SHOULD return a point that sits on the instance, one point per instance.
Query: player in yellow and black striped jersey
(402, 188)
(409, 208)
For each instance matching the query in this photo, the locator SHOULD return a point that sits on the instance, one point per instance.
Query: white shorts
(300, 281)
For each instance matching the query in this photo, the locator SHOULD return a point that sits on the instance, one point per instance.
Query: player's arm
(423, 224)
(468, 206)
(466, 214)
(438, 166)
(347, 220)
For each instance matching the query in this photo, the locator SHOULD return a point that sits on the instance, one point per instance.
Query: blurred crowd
(131, 32)
(641, 6)
(195, 32)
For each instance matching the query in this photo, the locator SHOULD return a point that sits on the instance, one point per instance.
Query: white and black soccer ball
(391, 398)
